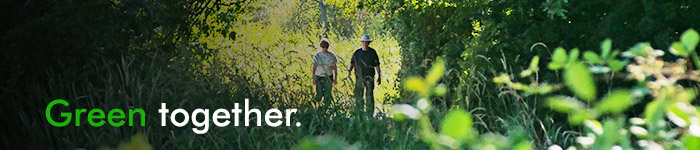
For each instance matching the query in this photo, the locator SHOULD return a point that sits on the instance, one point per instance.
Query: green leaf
(651, 110)
(523, 145)
(685, 96)
(542, 89)
(520, 86)
(592, 57)
(535, 61)
(678, 49)
(416, 84)
(440, 90)
(615, 102)
(435, 73)
(558, 59)
(533, 67)
(503, 78)
(457, 124)
(613, 54)
(690, 39)
(559, 55)
(323, 142)
(526, 73)
(653, 113)
(573, 56)
(605, 48)
(579, 116)
(691, 142)
(611, 134)
(580, 80)
(555, 65)
(616, 65)
(637, 50)
(564, 104)
(599, 69)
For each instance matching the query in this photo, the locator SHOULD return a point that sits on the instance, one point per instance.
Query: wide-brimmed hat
(365, 38)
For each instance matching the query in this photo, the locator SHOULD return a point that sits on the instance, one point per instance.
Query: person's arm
(335, 74)
(314, 62)
(379, 71)
(379, 76)
(352, 65)
(350, 69)
(313, 74)
(335, 68)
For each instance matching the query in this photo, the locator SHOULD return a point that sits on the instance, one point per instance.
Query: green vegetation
(456, 74)
(659, 81)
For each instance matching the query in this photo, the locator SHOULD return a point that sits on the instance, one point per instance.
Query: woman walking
(324, 73)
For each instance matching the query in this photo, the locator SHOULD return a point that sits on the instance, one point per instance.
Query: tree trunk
(324, 18)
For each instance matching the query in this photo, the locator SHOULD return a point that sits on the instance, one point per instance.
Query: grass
(127, 84)
(273, 70)
(503, 110)
(146, 86)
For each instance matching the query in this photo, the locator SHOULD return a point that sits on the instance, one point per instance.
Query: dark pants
(324, 86)
(364, 95)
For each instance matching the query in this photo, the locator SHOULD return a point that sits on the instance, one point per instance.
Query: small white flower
(407, 110)
(675, 119)
(585, 141)
(554, 147)
(643, 143)
(489, 147)
(694, 120)
(616, 147)
(661, 123)
(623, 132)
(658, 52)
(654, 146)
(627, 54)
(423, 104)
(637, 121)
(594, 126)
(685, 107)
(639, 131)
(694, 130)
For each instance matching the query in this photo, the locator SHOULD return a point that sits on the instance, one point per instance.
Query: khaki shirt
(324, 63)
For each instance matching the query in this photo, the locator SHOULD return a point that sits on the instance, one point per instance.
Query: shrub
(659, 90)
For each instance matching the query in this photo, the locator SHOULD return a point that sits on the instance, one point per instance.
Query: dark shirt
(364, 62)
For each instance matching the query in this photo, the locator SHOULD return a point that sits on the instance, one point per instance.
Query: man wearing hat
(365, 61)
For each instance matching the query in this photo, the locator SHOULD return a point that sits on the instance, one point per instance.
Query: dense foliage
(477, 39)
(439, 58)
(659, 91)
(102, 54)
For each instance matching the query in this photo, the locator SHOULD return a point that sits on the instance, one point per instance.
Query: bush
(658, 80)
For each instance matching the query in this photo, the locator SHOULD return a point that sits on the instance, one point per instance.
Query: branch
(238, 3)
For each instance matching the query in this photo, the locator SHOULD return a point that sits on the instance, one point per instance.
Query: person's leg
(369, 96)
(359, 93)
(327, 92)
(319, 90)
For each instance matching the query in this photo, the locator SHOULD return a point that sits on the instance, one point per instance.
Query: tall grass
(127, 85)
(278, 63)
(271, 66)
(216, 82)
(503, 110)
